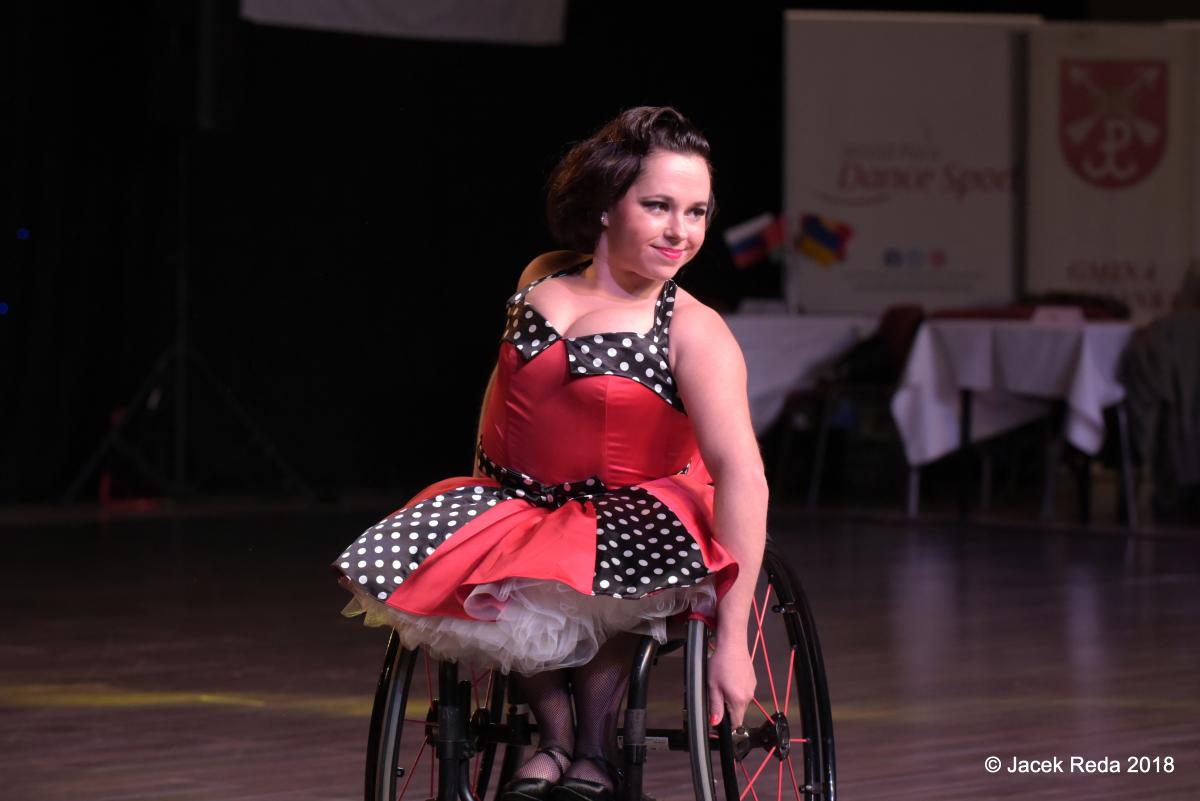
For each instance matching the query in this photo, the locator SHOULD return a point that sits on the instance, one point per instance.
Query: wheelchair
(436, 734)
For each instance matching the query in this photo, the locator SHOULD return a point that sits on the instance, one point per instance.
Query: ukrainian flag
(822, 239)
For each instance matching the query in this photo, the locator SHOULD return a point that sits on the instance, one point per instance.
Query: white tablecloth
(785, 352)
(1015, 368)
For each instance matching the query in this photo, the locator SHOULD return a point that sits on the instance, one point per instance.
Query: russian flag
(754, 240)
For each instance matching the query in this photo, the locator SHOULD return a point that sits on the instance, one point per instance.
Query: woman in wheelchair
(618, 484)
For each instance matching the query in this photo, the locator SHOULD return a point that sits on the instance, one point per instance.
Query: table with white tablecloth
(1014, 369)
(786, 352)
(991, 376)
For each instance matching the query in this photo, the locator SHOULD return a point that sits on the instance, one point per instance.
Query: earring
(604, 218)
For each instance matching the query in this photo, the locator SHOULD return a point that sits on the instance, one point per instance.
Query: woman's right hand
(731, 683)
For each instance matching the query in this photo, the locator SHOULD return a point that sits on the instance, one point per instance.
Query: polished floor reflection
(204, 658)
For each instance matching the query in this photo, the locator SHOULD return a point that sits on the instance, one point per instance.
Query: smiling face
(659, 224)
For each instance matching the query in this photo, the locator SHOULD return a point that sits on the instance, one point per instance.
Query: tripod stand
(177, 363)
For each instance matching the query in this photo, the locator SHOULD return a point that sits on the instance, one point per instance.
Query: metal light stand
(174, 365)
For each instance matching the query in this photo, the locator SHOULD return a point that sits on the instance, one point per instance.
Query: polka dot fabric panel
(382, 558)
(528, 331)
(636, 356)
(641, 546)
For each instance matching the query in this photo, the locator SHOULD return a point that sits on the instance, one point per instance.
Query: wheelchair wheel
(402, 743)
(785, 748)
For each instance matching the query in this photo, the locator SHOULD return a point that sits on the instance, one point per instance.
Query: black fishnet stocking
(550, 701)
(599, 686)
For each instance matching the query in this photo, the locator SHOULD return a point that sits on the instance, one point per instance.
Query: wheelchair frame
(458, 735)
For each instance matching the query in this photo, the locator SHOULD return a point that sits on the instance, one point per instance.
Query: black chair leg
(1127, 483)
(818, 468)
(1083, 491)
(914, 490)
(1053, 453)
(784, 459)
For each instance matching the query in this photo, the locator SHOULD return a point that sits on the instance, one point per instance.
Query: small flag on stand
(755, 240)
(823, 239)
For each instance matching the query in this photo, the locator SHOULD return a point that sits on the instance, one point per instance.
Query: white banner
(529, 22)
(1112, 158)
(899, 159)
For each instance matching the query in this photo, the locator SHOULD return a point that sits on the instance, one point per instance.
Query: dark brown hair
(598, 171)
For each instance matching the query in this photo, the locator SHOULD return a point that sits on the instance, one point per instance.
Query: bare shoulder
(697, 328)
(548, 263)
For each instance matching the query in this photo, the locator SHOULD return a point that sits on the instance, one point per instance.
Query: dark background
(357, 211)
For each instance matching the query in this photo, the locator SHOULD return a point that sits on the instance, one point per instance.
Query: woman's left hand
(731, 682)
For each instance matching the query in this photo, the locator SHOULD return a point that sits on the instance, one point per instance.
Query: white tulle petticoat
(530, 625)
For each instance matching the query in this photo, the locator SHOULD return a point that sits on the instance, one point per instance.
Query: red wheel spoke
(799, 740)
(758, 620)
(761, 638)
(787, 695)
(762, 709)
(770, 676)
(792, 771)
(779, 783)
(412, 771)
(754, 778)
(749, 784)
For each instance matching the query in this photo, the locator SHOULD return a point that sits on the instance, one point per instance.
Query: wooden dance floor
(204, 659)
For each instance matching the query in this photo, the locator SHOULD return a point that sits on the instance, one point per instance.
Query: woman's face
(658, 225)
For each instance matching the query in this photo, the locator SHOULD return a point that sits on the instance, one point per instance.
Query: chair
(1161, 375)
(465, 721)
(868, 372)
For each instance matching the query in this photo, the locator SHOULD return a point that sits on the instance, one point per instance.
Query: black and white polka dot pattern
(641, 546)
(527, 329)
(640, 357)
(383, 557)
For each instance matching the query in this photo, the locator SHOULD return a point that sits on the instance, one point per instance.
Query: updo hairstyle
(598, 171)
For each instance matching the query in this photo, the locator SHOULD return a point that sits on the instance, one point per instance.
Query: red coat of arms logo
(1112, 119)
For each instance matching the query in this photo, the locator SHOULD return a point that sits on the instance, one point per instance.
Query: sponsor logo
(1112, 119)
(914, 258)
(874, 173)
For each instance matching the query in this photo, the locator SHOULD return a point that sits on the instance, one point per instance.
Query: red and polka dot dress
(595, 516)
